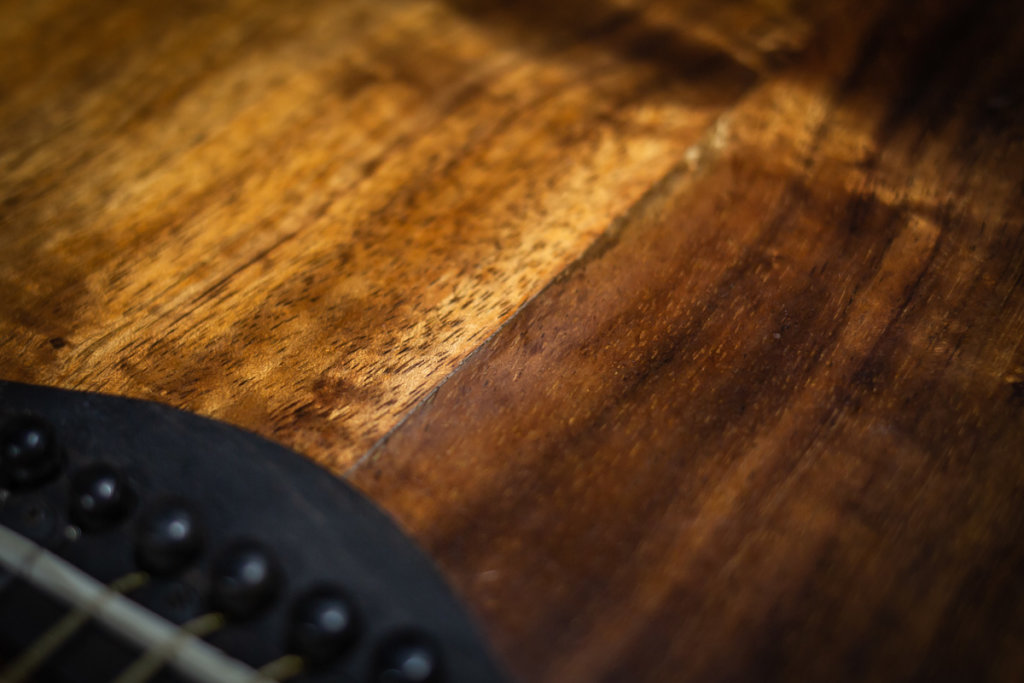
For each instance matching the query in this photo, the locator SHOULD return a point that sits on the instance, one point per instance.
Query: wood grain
(301, 220)
(771, 426)
(761, 414)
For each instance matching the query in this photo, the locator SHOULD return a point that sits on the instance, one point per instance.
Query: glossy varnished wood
(772, 425)
(767, 424)
(301, 219)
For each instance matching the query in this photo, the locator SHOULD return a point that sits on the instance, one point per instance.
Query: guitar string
(283, 668)
(194, 659)
(54, 637)
(19, 555)
(150, 662)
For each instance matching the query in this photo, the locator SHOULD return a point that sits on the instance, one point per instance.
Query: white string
(151, 661)
(29, 661)
(192, 657)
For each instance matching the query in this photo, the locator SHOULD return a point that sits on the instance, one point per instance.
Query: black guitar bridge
(140, 543)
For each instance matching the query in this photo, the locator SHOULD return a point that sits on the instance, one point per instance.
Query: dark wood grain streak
(770, 427)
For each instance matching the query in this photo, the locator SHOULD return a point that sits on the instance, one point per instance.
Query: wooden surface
(762, 415)
(301, 221)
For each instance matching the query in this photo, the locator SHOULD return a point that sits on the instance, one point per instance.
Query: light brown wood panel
(300, 219)
(771, 427)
